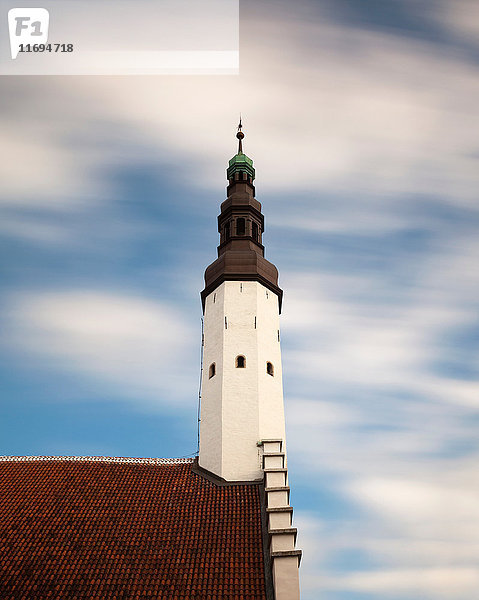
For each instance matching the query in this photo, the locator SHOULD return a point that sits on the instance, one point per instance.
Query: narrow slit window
(227, 231)
(254, 231)
(240, 227)
(240, 362)
(214, 298)
(226, 323)
(255, 322)
(212, 371)
(278, 335)
(270, 369)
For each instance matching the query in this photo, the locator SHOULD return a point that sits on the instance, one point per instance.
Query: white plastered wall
(239, 407)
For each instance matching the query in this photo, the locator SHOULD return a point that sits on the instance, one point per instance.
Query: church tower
(242, 390)
(232, 538)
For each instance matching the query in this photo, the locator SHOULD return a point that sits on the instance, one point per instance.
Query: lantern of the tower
(242, 391)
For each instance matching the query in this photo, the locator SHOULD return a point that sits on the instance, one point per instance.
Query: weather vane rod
(240, 136)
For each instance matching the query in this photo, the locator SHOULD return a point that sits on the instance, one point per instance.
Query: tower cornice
(223, 275)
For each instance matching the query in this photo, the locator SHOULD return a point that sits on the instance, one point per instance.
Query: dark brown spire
(241, 226)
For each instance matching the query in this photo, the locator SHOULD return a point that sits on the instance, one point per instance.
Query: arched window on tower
(270, 369)
(240, 226)
(212, 371)
(240, 362)
(227, 231)
(254, 231)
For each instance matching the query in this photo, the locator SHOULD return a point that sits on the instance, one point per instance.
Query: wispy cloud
(372, 112)
(390, 433)
(363, 138)
(449, 583)
(416, 537)
(135, 345)
(460, 18)
(374, 342)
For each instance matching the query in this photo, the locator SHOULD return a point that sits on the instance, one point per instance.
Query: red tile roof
(90, 528)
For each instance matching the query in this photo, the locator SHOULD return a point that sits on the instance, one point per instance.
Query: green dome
(240, 162)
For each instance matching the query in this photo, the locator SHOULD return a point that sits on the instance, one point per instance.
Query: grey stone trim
(280, 531)
(280, 509)
(282, 553)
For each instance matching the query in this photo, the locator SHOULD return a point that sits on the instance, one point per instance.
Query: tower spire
(240, 136)
(241, 227)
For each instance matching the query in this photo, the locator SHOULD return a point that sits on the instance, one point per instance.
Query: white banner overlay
(119, 37)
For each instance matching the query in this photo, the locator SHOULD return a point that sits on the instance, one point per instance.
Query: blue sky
(362, 120)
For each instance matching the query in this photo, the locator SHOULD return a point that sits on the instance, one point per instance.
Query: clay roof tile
(79, 528)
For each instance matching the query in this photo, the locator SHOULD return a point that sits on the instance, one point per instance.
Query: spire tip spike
(240, 136)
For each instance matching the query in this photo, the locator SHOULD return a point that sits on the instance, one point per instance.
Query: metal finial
(240, 136)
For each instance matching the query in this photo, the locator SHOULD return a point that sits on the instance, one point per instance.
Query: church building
(218, 526)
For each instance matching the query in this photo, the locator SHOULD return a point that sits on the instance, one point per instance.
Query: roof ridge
(111, 459)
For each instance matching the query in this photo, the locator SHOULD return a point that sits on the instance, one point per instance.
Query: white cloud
(423, 501)
(460, 18)
(372, 424)
(424, 536)
(378, 114)
(38, 168)
(352, 336)
(451, 583)
(136, 346)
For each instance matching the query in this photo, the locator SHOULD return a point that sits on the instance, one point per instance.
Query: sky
(362, 120)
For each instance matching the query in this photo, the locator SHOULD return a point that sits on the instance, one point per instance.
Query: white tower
(242, 391)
